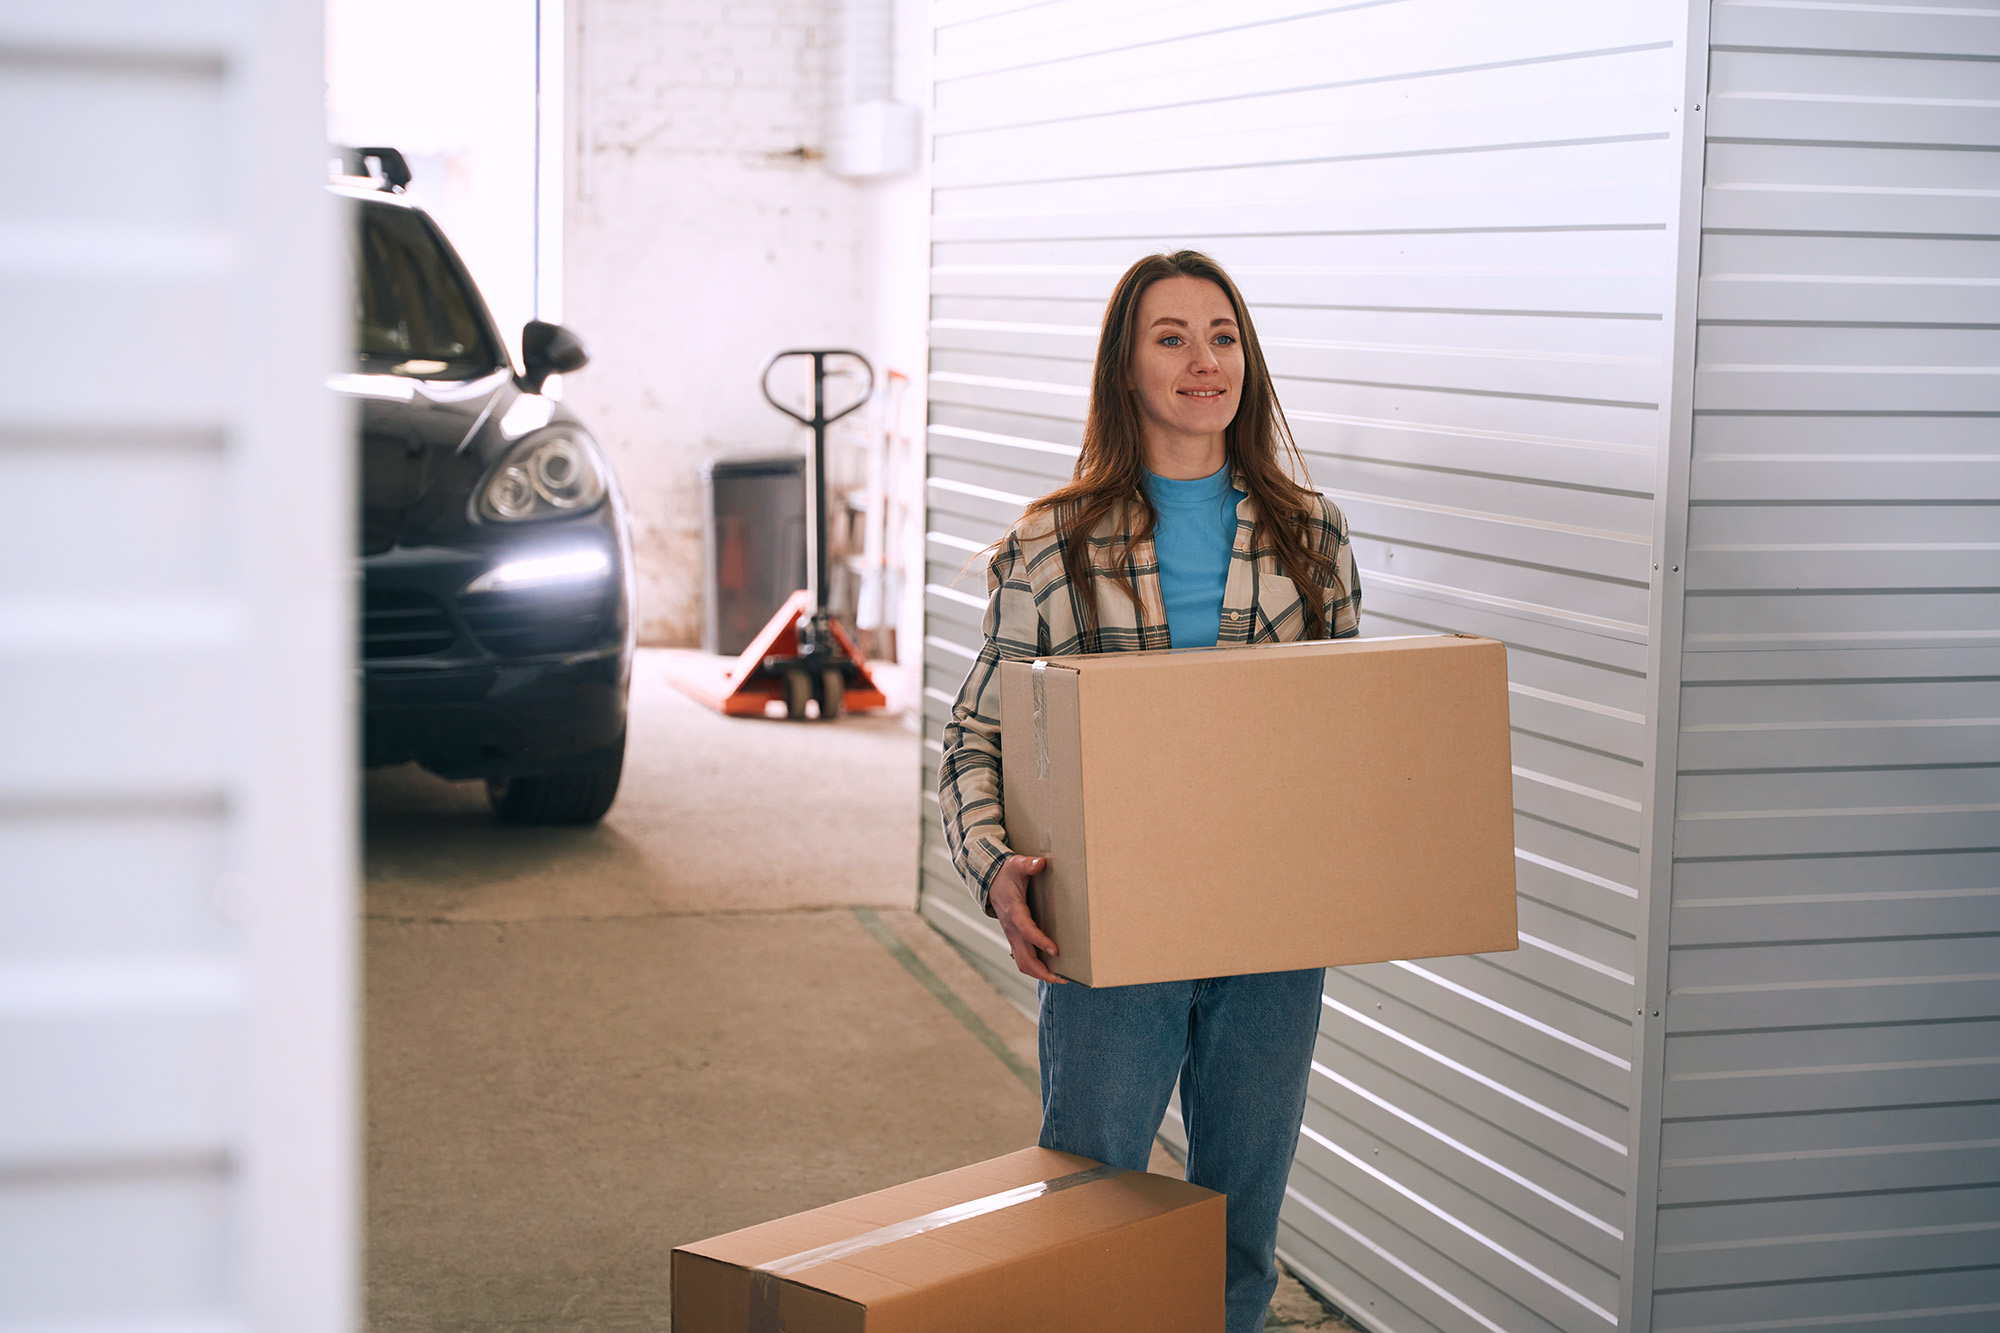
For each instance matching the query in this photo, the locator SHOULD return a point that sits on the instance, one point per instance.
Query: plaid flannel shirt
(1034, 611)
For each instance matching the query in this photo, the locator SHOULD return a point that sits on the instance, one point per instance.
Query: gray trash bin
(754, 539)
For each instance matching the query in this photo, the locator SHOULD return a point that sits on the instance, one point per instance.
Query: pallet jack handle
(802, 654)
(818, 421)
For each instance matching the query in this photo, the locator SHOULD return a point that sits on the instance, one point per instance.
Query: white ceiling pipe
(868, 133)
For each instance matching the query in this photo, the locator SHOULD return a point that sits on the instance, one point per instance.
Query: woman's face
(1187, 368)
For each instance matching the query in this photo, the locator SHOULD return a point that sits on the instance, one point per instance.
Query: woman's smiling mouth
(1202, 393)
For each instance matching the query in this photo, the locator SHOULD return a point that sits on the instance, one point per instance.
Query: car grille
(396, 622)
(535, 620)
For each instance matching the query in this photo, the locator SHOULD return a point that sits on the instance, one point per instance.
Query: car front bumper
(510, 720)
(509, 684)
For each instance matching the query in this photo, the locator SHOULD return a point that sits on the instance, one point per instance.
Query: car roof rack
(395, 171)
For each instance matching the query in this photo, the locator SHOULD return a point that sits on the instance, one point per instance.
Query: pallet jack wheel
(832, 693)
(798, 691)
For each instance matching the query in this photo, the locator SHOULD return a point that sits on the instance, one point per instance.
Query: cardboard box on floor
(1032, 1240)
(1213, 812)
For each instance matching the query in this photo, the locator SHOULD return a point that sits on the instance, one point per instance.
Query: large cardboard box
(1213, 812)
(1033, 1240)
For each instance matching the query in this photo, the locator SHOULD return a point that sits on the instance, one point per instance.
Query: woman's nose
(1204, 358)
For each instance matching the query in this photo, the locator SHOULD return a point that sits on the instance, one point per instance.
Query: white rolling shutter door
(1454, 224)
(176, 822)
(1830, 1146)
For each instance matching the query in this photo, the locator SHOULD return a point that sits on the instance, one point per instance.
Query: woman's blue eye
(1171, 340)
(1226, 339)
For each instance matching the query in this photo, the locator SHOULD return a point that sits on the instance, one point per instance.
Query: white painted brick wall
(699, 240)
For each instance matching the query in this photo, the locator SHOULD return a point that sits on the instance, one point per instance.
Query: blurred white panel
(107, 343)
(117, 722)
(176, 1119)
(127, 514)
(152, 1245)
(120, 1058)
(140, 130)
(130, 32)
(88, 884)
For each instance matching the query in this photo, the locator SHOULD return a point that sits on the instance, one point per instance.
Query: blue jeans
(1242, 1050)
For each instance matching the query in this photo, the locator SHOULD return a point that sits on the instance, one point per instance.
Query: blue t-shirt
(1195, 530)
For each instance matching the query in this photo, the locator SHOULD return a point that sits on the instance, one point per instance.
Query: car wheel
(557, 798)
(832, 693)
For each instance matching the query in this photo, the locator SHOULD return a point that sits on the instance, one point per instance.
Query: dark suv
(496, 630)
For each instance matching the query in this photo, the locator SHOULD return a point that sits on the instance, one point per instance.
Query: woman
(1182, 528)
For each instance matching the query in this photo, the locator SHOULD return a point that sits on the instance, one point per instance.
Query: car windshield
(414, 312)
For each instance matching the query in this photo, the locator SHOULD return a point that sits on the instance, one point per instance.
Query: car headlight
(544, 476)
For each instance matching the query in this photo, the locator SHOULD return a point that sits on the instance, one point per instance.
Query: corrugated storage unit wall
(1755, 796)
(1830, 1154)
(1453, 221)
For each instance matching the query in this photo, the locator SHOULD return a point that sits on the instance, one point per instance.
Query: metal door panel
(1830, 745)
(1540, 195)
(1560, 1032)
(1543, 1190)
(1592, 901)
(1856, 262)
(1556, 510)
(1287, 130)
(1852, 116)
(1885, 29)
(1394, 1281)
(1576, 956)
(1900, 471)
(1479, 1059)
(1418, 1190)
(1736, 1073)
(1469, 344)
(1351, 39)
(1846, 1001)
(1885, 907)
(1578, 723)
(1780, 620)
(1907, 298)
(1600, 776)
(1836, 1153)
(1878, 209)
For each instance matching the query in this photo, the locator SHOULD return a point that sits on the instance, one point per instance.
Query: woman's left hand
(1009, 899)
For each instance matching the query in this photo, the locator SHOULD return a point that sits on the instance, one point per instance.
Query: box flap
(1162, 1273)
(1152, 658)
(929, 1231)
(769, 1241)
(1107, 1201)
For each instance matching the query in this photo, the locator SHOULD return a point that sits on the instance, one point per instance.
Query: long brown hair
(1111, 469)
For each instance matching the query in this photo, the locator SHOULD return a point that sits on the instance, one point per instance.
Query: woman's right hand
(1009, 899)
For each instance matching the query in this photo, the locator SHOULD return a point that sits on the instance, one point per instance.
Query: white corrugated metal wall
(1830, 1152)
(1456, 224)
(177, 1119)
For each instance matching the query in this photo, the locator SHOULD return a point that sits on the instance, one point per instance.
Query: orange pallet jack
(802, 654)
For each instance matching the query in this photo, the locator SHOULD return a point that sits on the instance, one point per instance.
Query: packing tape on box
(766, 1279)
(1039, 673)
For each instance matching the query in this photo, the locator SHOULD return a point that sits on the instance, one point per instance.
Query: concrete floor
(585, 1047)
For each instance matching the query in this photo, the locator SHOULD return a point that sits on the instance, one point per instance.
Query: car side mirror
(548, 349)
